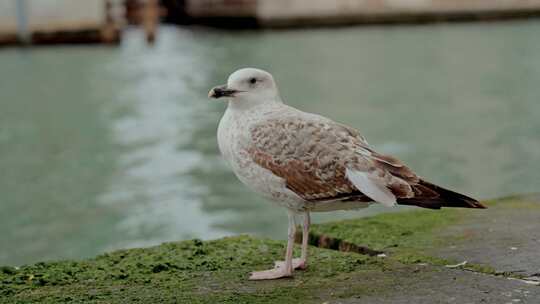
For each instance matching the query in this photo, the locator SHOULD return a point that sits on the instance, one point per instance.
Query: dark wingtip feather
(453, 199)
(446, 198)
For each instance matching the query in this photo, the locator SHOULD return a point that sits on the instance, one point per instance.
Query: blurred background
(107, 137)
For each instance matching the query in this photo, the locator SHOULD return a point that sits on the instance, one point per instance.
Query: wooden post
(23, 32)
(110, 32)
(150, 19)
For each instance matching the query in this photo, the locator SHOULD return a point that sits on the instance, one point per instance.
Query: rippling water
(104, 148)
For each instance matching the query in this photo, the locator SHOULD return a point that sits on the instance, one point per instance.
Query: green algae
(407, 237)
(418, 229)
(412, 229)
(216, 271)
(413, 237)
(185, 272)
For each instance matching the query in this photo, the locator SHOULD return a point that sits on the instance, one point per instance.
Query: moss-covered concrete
(432, 236)
(216, 271)
(406, 237)
(186, 272)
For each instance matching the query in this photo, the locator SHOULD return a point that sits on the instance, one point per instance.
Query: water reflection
(155, 113)
(104, 148)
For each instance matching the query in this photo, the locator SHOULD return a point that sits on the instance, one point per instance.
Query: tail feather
(444, 198)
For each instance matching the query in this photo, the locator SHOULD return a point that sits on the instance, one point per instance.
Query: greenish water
(104, 148)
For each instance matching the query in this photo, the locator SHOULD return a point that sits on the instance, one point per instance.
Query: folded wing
(321, 160)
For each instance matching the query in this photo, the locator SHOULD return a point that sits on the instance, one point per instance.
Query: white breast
(233, 140)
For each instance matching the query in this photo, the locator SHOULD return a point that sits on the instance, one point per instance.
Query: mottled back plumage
(312, 154)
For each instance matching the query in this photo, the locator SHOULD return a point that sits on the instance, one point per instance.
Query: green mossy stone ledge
(412, 269)
(405, 236)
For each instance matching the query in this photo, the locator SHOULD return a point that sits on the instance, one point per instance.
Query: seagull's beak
(221, 91)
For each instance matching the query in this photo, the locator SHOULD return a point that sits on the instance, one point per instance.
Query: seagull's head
(248, 86)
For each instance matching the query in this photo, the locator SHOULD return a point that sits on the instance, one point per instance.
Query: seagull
(309, 163)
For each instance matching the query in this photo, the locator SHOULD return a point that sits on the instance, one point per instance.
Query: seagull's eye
(252, 80)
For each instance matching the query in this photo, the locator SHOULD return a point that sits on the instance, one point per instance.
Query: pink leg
(300, 263)
(305, 238)
(280, 272)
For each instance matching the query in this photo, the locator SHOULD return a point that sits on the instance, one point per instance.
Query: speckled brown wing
(313, 155)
